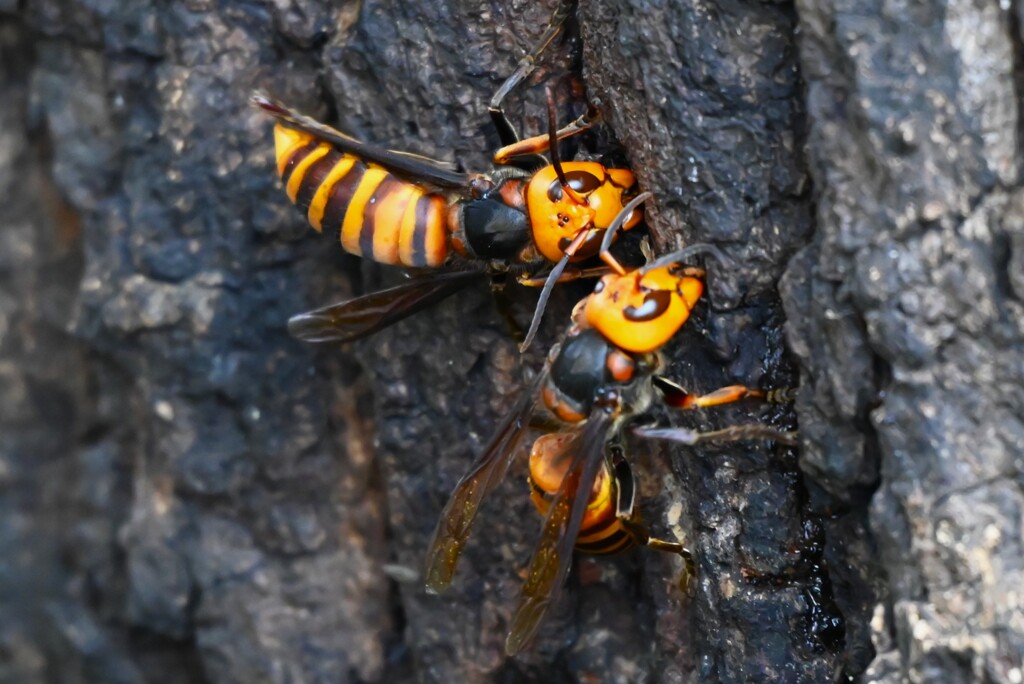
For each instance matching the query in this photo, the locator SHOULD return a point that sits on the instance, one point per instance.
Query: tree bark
(912, 356)
(188, 495)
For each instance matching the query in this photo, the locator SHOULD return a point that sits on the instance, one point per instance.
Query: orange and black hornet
(401, 210)
(406, 210)
(602, 377)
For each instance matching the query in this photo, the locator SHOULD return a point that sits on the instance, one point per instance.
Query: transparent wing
(488, 470)
(412, 166)
(365, 315)
(553, 554)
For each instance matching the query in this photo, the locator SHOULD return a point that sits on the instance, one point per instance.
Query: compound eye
(655, 304)
(582, 182)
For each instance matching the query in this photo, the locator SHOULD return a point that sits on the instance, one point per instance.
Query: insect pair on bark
(553, 223)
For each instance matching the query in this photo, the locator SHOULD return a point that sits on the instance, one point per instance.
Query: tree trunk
(188, 495)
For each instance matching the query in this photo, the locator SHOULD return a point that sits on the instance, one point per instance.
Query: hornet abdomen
(376, 214)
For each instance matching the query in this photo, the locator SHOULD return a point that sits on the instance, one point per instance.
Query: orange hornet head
(556, 217)
(639, 312)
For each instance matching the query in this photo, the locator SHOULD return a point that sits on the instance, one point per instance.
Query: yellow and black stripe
(376, 214)
(605, 536)
(602, 532)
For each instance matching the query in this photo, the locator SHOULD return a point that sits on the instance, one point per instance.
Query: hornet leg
(506, 132)
(678, 397)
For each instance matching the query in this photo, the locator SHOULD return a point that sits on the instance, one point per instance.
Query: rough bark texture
(188, 495)
(912, 357)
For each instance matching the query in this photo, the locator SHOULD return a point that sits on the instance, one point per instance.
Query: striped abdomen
(601, 531)
(376, 214)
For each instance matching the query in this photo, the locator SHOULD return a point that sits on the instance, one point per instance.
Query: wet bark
(186, 494)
